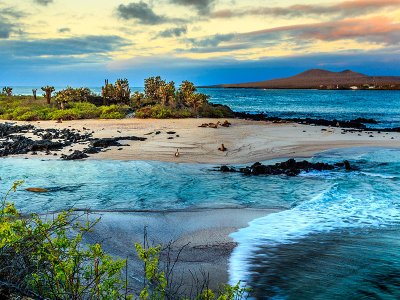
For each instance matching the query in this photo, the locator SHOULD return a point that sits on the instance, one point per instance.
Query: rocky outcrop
(75, 155)
(290, 167)
(13, 141)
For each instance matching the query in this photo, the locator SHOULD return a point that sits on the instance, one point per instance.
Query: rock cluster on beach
(290, 167)
(359, 123)
(13, 141)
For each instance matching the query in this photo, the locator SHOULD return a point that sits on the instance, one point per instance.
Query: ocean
(335, 236)
(383, 106)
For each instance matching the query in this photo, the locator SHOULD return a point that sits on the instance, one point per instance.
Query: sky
(81, 43)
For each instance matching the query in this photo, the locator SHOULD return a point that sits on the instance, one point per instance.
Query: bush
(216, 111)
(159, 111)
(114, 112)
(46, 259)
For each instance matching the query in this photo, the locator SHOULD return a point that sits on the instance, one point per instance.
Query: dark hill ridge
(324, 79)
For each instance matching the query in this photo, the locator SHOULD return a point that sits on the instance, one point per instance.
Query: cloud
(212, 41)
(229, 70)
(64, 30)
(173, 32)
(379, 30)
(203, 6)
(376, 29)
(142, 13)
(5, 30)
(62, 47)
(9, 22)
(43, 2)
(343, 9)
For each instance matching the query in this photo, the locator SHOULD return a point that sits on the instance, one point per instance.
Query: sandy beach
(203, 234)
(246, 141)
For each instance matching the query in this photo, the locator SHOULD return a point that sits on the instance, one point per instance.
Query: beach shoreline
(246, 141)
(200, 237)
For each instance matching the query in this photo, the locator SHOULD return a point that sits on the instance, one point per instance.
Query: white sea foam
(331, 210)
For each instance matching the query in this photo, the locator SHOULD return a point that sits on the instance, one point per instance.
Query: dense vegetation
(160, 99)
(46, 259)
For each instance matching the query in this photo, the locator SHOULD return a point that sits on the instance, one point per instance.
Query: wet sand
(204, 234)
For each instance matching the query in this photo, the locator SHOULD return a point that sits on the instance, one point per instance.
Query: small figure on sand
(177, 153)
(59, 121)
(222, 148)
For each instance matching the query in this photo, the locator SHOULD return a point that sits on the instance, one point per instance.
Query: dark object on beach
(75, 155)
(171, 132)
(290, 167)
(226, 124)
(108, 142)
(59, 121)
(177, 154)
(210, 125)
(222, 148)
(37, 190)
(158, 132)
(170, 138)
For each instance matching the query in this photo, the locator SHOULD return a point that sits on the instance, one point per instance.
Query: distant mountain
(324, 79)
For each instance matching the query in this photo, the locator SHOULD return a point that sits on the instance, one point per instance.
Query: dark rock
(75, 155)
(290, 167)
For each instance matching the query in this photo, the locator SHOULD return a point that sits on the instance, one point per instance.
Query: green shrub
(46, 259)
(216, 111)
(114, 111)
(159, 111)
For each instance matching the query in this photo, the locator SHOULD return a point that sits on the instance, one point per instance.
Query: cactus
(7, 90)
(47, 92)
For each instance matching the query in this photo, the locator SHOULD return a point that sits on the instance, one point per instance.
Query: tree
(188, 97)
(70, 94)
(47, 92)
(7, 90)
(116, 94)
(34, 91)
(152, 88)
(167, 93)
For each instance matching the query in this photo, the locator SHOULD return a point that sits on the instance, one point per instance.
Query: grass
(25, 108)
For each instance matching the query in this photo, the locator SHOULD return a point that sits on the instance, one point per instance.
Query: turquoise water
(342, 243)
(337, 236)
(383, 106)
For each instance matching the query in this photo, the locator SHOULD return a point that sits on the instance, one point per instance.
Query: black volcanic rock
(290, 167)
(75, 155)
(13, 141)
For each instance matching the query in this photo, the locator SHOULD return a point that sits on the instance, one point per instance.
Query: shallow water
(383, 106)
(340, 244)
(335, 238)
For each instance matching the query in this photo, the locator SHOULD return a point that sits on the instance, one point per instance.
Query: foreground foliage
(46, 259)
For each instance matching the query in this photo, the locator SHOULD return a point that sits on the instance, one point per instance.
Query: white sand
(246, 141)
